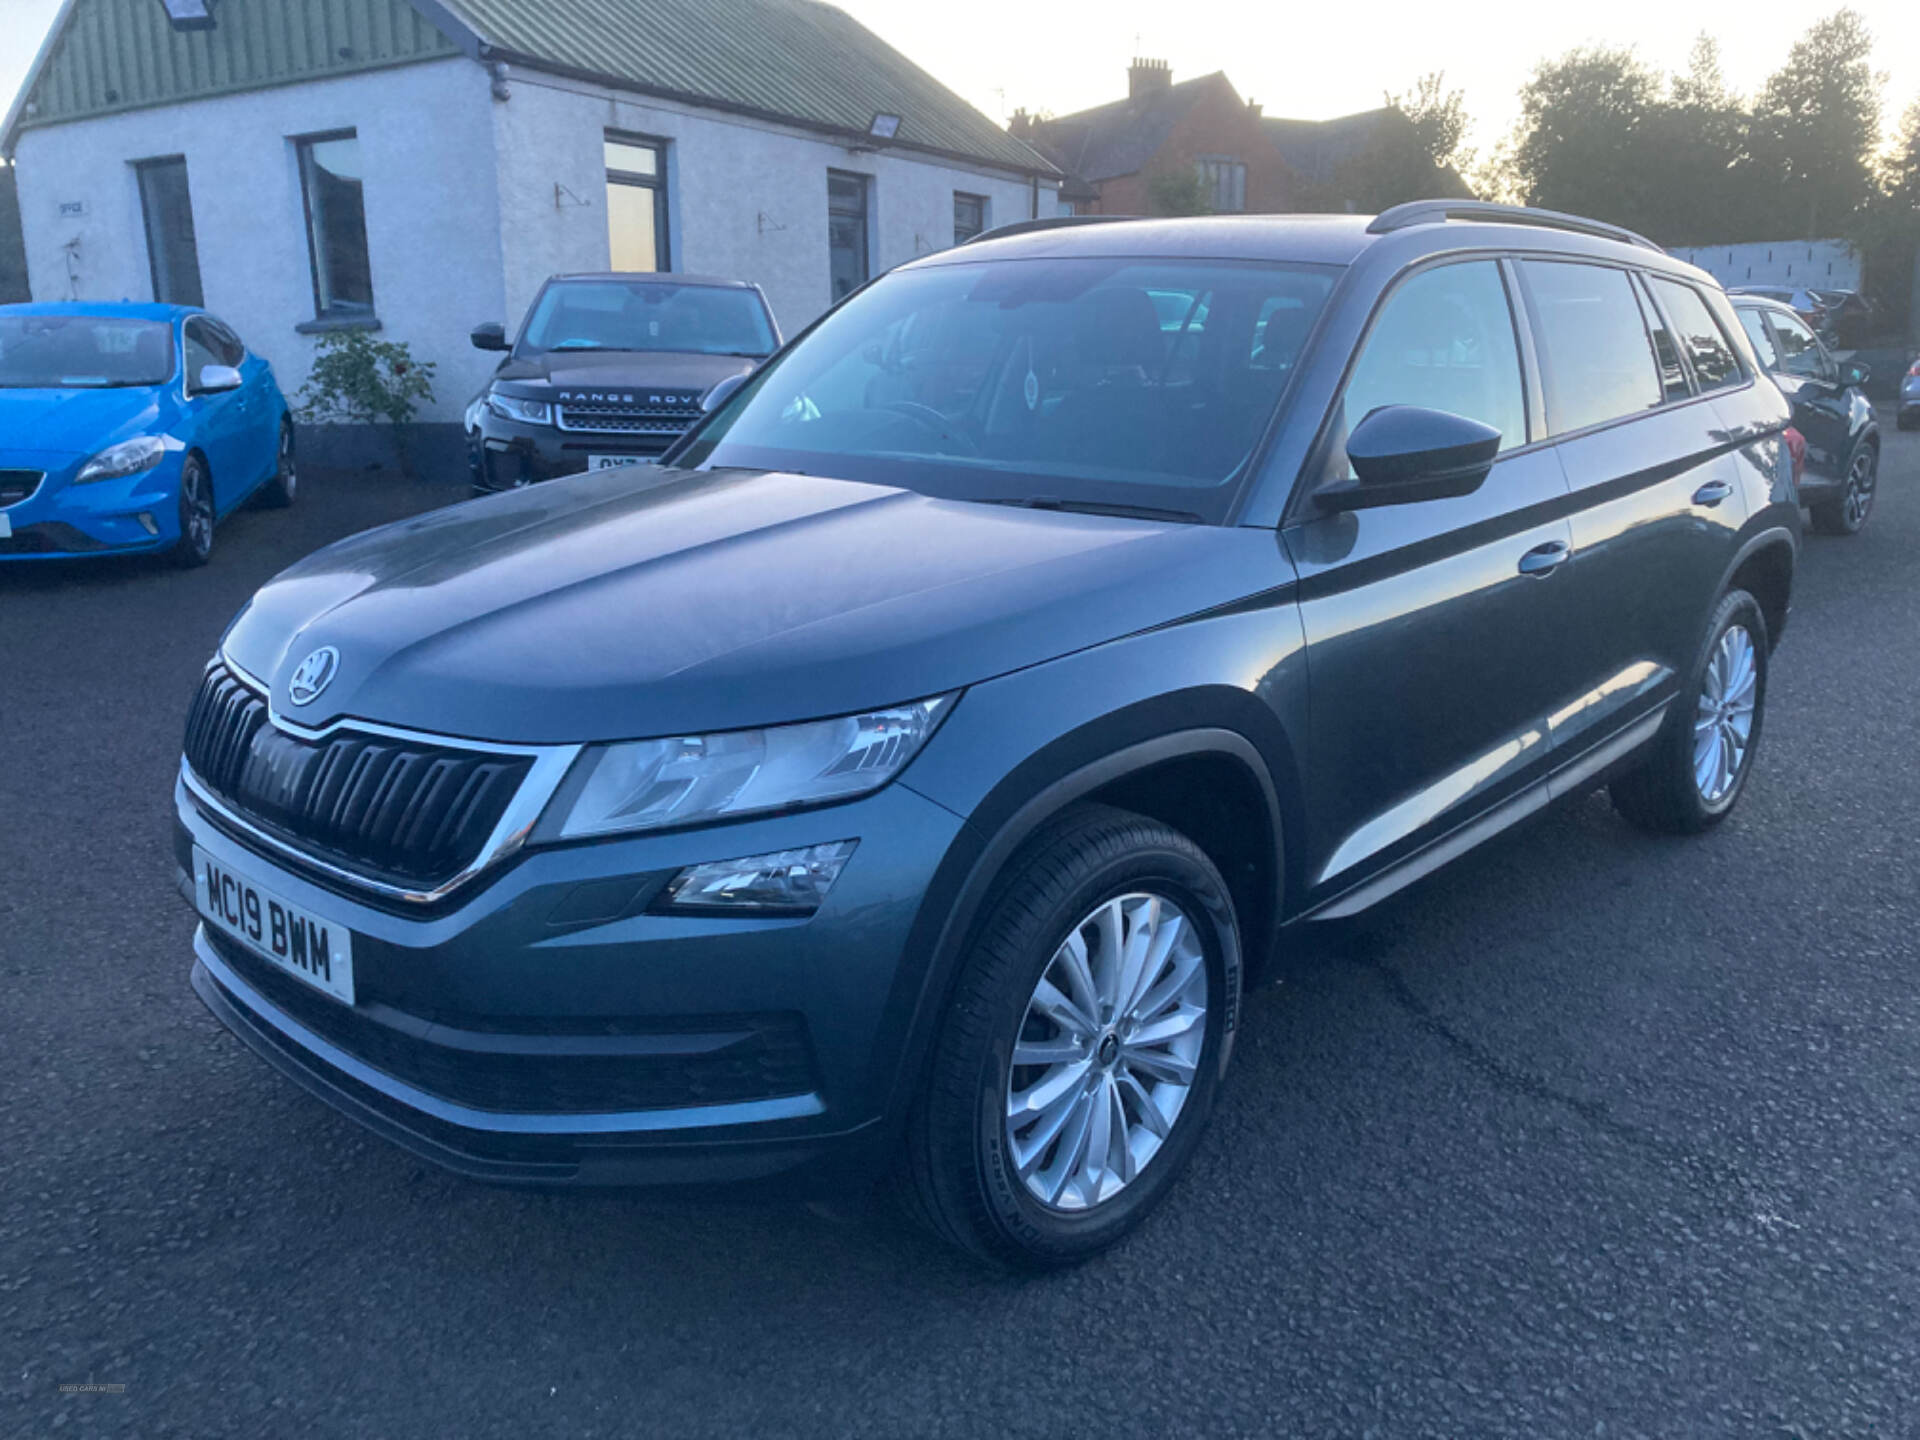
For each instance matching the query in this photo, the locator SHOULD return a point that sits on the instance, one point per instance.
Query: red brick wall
(1219, 123)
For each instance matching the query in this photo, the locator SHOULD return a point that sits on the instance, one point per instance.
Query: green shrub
(358, 380)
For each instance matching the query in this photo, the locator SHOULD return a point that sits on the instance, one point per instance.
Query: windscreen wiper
(1094, 507)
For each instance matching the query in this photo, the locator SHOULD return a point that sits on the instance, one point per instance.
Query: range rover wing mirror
(1852, 372)
(490, 336)
(1403, 453)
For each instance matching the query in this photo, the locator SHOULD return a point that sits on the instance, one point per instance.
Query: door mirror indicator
(1403, 453)
(490, 336)
(213, 379)
(1852, 372)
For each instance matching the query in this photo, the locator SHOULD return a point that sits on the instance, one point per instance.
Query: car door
(219, 418)
(1658, 499)
(1810, 379)
(1435, 630)
(257, 393)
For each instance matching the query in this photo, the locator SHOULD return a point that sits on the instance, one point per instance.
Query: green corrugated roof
(114, 55)
(788, 59)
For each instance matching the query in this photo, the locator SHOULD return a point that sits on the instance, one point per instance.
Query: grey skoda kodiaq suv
(908, 778)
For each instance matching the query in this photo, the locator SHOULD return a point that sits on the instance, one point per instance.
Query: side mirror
(723, 392)
(214, 379)
(490, 336)
(1403, 454)
(1852, 372)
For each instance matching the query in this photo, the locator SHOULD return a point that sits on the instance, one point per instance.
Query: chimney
(1020, 124)
(1148, 77)
(1253, 108)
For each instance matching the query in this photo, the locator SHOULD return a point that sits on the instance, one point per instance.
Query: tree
(1693, 148)
(1180, 191)
(1579, 142)
(1816, 126)
(1439, 117)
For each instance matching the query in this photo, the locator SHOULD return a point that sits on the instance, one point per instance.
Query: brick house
(1135, 156)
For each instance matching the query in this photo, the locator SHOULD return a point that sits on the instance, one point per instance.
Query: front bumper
(60, 520)
(504, 454)
(540, 1027)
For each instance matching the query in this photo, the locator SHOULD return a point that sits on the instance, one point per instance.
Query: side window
(1706, 346)
(1755, 325)
(1593, 344)
(1800, 353)
(1673, 375)
(225, 343)
(1444, 340)
(200, 351)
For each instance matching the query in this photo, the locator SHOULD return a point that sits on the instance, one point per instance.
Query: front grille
(18, 485)
(395, 810)
(651, 1064)
(50, 537)
(657, 417)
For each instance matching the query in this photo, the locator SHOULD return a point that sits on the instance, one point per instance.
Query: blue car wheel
(196, 515)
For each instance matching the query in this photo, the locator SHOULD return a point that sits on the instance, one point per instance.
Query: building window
(969, 216)
(846, 232)
(636, 203)
(172, 255)
(1224, 181)
(330, 182)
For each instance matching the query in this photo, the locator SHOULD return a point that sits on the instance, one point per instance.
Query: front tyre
(1699, 763)
(195, 546)
(1084, 1045)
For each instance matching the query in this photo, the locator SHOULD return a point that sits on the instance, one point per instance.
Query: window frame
(141, 169)
(979, 200)
(866, 231)
(1647, 277)
(1760, 317)
(302, 144)
(656, 182)
(1775, 323)
(1232, 168)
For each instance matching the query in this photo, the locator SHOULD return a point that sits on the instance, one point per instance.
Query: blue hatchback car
(130, 427)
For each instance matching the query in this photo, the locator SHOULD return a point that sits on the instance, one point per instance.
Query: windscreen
(646, 315)
(83, 352)
(1126, 382)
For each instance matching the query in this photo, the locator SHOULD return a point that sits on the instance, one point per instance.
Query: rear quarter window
(1706, 346)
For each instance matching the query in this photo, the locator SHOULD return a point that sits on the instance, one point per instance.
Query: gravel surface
(1591, 1134)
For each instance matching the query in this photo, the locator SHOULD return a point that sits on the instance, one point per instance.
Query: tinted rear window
(1594, 348)
(1699, 333)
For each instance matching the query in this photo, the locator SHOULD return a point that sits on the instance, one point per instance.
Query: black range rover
(609, 370)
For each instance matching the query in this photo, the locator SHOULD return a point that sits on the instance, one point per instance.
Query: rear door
(1433, 656)
(1810, 379)
(1628, 398)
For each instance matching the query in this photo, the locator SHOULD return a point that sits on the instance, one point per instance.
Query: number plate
(319, 951)
(613, 462)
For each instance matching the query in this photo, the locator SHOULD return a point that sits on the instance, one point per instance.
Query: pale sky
(1310, 61)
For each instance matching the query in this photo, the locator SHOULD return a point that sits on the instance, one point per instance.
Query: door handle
(1712, 493)
(1544, 559)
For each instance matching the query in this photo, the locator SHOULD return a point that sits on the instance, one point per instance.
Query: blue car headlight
(514, 407)
(691, 779)
(129, 457)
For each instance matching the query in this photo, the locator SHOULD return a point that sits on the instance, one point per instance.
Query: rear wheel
(1699, 762)
(1847, 513)
(284, 487)
(1081, 1054)
(195, 546)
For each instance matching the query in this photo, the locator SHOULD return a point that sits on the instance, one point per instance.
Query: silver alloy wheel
(289, 478)
(1723, 722)
(198, 508)
(1107, 1051)
(1859, 496)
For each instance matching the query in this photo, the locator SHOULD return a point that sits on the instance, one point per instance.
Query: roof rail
(1044, 222)
(1428, 212)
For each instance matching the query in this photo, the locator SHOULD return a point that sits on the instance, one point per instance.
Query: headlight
(129, 457)
(652, 784)
(512, 407)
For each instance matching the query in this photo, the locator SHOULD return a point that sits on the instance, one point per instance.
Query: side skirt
(1570, 780)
